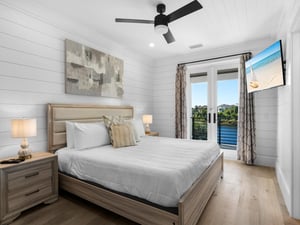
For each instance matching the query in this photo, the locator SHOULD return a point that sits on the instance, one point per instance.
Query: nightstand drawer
(29, 195)
(27, 177)
(26, 184)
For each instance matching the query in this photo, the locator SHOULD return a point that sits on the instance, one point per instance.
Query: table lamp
(147, 120)
(23, 128)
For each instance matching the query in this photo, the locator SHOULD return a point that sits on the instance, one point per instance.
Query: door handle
(215, 117)
(209, 119)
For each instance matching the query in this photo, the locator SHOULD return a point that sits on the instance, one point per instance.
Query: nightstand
(26, 184)
(153, 133)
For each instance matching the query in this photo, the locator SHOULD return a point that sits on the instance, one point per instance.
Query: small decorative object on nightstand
(23, 128)
(27, 184)
(147, 120)
(152, 133)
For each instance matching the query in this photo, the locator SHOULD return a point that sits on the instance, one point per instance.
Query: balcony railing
(227, 134)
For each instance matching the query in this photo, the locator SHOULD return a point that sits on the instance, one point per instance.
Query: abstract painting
(91, 72)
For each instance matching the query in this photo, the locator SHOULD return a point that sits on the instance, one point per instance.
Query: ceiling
(219, 23)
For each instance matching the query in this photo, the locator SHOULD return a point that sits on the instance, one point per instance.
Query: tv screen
(265, 70)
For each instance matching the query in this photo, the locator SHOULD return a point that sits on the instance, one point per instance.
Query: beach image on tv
(264, 70)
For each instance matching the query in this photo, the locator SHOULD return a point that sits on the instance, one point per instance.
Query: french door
(213, 103)
(204, 113)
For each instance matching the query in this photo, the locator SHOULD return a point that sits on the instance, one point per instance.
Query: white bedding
(157, 169)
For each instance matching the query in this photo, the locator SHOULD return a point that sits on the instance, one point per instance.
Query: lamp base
(24, 154)
(147, 129)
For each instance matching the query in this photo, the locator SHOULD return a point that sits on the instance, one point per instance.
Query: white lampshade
(161, 29)
(147, 119)
(22, 128)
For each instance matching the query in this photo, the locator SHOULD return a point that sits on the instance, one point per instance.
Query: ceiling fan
(161, 20)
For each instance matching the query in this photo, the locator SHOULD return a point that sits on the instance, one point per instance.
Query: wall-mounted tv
(265, 70)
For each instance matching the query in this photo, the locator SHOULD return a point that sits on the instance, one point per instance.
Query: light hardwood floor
(247, 195)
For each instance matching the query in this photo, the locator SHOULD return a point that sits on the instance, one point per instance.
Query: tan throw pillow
(112, 120)
(122, 135)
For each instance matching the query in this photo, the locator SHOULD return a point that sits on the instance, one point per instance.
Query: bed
(190, 204)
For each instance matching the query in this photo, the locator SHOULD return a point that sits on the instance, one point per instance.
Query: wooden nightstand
(153, 133)
(26, 184)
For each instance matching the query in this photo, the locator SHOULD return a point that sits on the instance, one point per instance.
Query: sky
(227, 93)
(263, 54)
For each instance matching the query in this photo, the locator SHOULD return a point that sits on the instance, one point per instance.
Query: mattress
(157, 169)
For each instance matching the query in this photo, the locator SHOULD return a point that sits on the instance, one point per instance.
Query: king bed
(157, 181)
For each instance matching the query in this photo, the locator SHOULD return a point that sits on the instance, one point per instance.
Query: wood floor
(247, 195)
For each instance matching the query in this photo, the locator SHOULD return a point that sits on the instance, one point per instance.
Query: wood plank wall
(32, 69)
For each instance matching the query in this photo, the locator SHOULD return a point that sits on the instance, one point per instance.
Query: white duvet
(157, 169)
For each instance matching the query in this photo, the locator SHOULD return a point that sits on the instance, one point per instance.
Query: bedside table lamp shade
(147, 120)
(23, 128)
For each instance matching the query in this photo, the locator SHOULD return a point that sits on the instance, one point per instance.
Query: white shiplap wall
(32, 69)
(265, 102)
(287, 167)
(266, 127)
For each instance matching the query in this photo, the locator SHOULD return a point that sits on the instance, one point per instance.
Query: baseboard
(261, 160)
(284, 187)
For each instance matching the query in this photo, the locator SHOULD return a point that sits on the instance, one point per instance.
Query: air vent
(196, 46)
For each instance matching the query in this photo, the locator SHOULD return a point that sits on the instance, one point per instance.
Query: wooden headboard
(58, 114)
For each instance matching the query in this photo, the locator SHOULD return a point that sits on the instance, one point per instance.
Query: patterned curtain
(246, 122)
(180, 103)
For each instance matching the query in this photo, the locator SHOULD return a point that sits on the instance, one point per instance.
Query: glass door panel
(227, 103)
(199, 109)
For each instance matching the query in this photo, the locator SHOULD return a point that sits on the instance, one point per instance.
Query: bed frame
(191, 204)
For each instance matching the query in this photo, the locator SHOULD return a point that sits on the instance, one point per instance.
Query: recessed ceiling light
(151, 45)
(196, 46)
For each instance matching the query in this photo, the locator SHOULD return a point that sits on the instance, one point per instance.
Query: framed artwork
(91, 72)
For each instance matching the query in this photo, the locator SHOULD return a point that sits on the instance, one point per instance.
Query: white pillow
(139, 127)
(70, 134)
(88, 135)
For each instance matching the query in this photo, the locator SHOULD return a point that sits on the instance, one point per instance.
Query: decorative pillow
(112, 120)
(70, 134)
(88, 135)
(122, 135)
(139, 127)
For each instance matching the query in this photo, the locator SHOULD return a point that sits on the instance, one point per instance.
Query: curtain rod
(220, 57)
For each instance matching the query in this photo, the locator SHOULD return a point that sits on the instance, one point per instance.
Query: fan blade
(169, 37)
(121, 20)
(185, 10)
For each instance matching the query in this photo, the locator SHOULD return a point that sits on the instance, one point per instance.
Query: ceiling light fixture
(161, 21)
(161, 29)
(151, 45)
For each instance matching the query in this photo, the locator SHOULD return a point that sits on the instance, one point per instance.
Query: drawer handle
(33, 192)
(32, 175)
